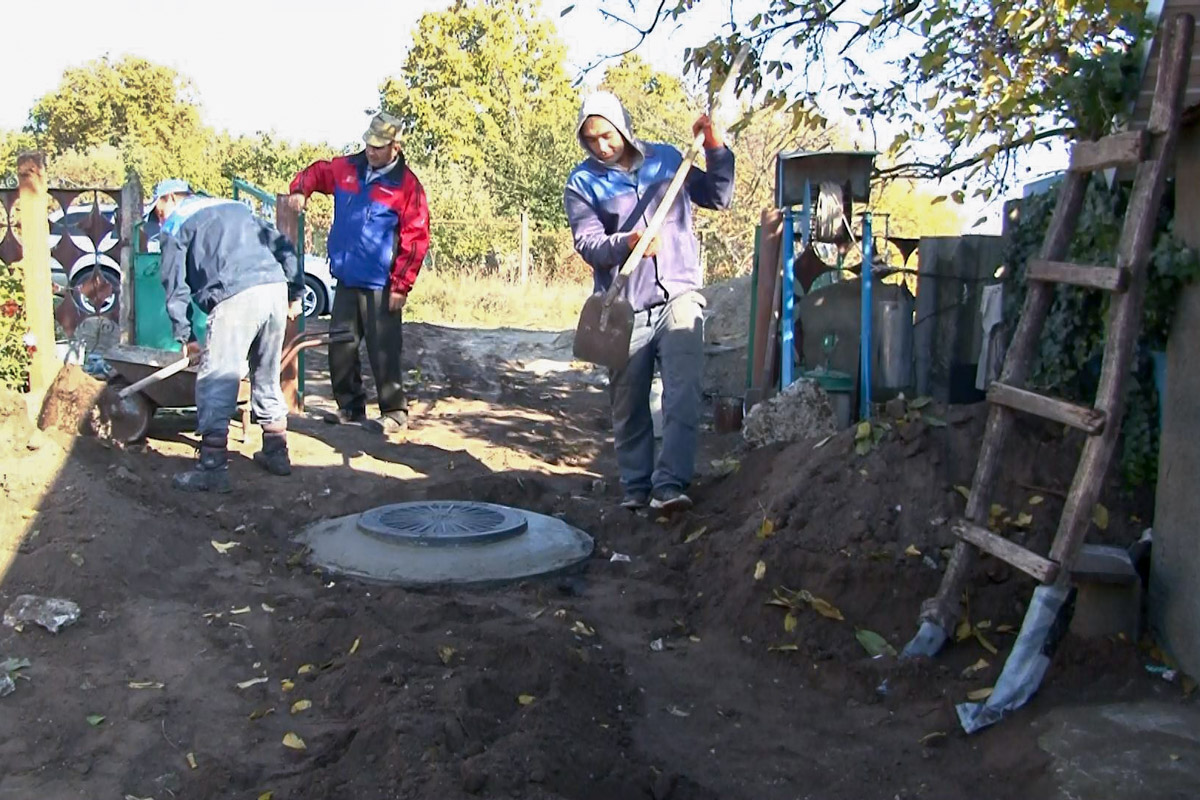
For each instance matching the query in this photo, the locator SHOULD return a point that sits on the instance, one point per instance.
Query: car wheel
(314, 300)
(85, 305)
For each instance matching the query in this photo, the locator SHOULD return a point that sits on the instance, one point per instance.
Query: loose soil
(546, 689)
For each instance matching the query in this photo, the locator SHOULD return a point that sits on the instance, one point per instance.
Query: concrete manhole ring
(442, 523)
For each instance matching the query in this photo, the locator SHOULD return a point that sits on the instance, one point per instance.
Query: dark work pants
(365, 313)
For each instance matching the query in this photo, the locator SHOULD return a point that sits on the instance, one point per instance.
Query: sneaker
(636, 499)
(670, 499)
(390, 423)
(344, 417)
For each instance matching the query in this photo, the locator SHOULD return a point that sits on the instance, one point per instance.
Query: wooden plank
(35, 269)
(1090, 277)
(1125, 313)
(765, 308)
(131, 210)
(1118, 150)
(288, 222)
(1043, 569)
(1088, 420)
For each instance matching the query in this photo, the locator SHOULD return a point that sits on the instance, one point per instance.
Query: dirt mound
(15, 425)
(70, 401)
(864, 526)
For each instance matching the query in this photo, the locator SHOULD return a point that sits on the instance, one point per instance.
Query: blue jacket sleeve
(598, 248)
(173, 271)
(285, 254)
(712, 187)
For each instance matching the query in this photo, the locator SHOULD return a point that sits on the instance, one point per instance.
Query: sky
(307, 69)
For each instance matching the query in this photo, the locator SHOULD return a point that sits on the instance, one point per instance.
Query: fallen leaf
(191, 759)
(28, 513)
(767, 529)
(268, 609)
(305, 669)
(242, 610)
(929, 737)
(822, 443)
(354, 647)
(95, 720)
(789, 622)
(783, 648)
(1036, 500)
(976, 668)
(252, 682)
(873, 643)
(675, 711)
(525, 699)
(996, 510)
(445, 653)
(1005, 629)
(919, 402)
(979, 694)
(301, 705)
(266, 796)
(963, 631)
(691, 537)
(1100, 516)
(287, 684)
(145, 685)
(934, 422)
(760, 570)
(991, 648)
(964, 491)
(822, 607)
(912, 550)
(983, 625)
(223, 547)
(694, 639)
(862, 431)
(1024, 520)
(76, 559)
(581, 628)
(293, 741)
(259, 713)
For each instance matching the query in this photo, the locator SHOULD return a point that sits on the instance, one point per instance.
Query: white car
(318, 283)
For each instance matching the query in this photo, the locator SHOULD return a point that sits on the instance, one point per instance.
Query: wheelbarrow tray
(133, 363)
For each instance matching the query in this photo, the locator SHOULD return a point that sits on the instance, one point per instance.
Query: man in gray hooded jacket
(609, 199)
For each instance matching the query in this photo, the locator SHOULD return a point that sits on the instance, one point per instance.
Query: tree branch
(926, 169)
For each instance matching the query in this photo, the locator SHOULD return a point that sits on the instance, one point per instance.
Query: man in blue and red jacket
(378, 240)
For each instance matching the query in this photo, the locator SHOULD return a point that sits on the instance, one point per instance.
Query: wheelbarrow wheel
(126, 419)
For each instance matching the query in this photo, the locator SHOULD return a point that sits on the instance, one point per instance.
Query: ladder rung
(1118, 150)
(1041, 568)
(1088, 420)
(1108, 278)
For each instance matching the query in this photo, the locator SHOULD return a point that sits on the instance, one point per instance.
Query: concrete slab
(1124, 751)
(545, 545)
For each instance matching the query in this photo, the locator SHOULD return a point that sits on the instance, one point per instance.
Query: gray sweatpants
(246, 328)
(671, 336)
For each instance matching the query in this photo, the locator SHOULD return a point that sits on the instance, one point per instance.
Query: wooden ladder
(1151, 151)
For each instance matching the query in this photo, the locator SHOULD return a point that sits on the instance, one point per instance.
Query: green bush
(14, 353)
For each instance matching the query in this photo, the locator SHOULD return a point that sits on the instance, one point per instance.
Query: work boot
(635, 499)
(669, 500)
(390, 423)
(274, 454)
(344, 416)
(211, 473)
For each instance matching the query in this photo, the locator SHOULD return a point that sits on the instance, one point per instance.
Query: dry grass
(492, 301)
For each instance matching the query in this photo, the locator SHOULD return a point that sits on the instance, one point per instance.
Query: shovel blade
(602, 336)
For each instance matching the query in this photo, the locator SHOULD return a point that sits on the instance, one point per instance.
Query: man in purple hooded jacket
(609, 199)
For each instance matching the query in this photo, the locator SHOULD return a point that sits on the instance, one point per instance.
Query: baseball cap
(384, 130)
(166, 187)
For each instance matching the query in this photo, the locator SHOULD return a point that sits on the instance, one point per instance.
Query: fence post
(131, 212)
(35, 268)
(524, 247)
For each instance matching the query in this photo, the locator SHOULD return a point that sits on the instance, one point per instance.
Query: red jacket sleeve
(317, 177)
(413, 239)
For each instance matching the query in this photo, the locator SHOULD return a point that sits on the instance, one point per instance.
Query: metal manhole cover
(442, 523)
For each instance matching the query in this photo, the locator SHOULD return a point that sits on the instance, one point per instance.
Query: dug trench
(667, 675)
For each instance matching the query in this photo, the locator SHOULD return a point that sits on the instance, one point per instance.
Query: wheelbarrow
(148, 379)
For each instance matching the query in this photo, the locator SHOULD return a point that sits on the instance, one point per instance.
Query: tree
(962, 84)
(484, 87)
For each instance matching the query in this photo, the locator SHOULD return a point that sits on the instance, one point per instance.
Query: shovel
(606, 321)
(122, 414)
